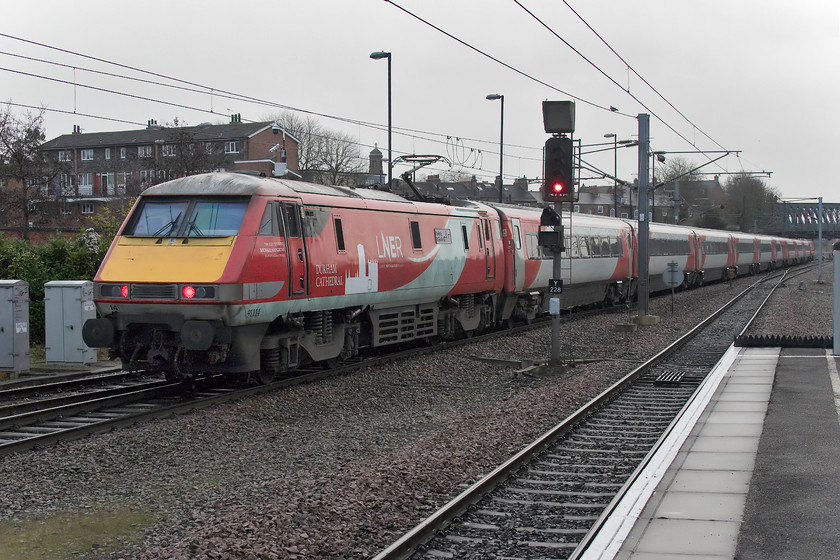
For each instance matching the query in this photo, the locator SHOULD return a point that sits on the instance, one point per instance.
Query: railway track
(48, 412)
(550, 499)
(95, 404)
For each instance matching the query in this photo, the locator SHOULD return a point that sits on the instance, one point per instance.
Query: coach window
(415, 235)
(339, 234)
(583, 245)
(594, 247)
(292, 219)
(616, 247)
(466, 238)
(517, 238)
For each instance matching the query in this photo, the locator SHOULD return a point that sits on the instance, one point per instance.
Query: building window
(122, 153)
(232, 147)
(87, 207)
(600, 209)
(65, 209)
(107, 153)
(144, 151)
(209, 148)
(168, 150)
(64, 155)
(122, 178)
(577, 207)
(86, 183)
(87, 154)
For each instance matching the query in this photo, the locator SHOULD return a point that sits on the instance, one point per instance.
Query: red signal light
(557, 188)
(188, 292)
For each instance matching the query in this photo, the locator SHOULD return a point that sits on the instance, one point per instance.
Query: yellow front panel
(199, 260)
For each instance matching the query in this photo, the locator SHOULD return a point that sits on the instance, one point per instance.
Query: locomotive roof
(244, 184)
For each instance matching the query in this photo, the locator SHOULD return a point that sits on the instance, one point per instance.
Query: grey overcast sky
(760, 76)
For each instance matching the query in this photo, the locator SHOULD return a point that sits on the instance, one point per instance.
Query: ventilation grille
(154, 291)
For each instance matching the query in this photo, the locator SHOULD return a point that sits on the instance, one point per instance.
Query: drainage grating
(669, 377)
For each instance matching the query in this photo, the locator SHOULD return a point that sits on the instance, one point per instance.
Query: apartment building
(93, 168)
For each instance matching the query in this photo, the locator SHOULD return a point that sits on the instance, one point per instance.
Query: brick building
(94, 169)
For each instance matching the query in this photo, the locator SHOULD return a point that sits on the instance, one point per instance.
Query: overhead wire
(610, 78)
(505, 64)
(633, 70)
(182, 106)
(222, 93)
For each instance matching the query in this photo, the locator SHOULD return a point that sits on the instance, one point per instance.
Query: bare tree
(339, 158)
(677, 167)
(184, 155)
(328, 156)
(749, 202)
(25, 177)
(309, 132)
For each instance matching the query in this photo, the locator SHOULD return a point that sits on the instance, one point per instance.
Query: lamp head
(493, 96)
(378, 55)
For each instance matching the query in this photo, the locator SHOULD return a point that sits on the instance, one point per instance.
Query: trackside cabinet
(67, 305)
(14, 327)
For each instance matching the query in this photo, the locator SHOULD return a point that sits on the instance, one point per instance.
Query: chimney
(77, 129)
(153, 125)
(236, 118)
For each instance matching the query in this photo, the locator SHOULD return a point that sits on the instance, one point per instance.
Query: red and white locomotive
(233, 273)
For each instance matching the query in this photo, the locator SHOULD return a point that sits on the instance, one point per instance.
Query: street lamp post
(615, 171)
(661, 157)
(378, 56)
(492, 97)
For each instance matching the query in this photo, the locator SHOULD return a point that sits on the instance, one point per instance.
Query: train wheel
(611, 297)
(264, 377)
(331, 363)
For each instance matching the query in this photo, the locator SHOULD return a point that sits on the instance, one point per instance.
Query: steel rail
(593, 532)
(406, 545)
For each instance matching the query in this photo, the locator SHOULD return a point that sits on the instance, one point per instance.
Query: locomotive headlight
(114, 291)
(198, 292)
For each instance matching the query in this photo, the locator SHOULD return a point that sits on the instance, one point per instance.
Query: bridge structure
(802, 219)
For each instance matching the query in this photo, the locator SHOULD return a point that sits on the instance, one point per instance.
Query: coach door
(489, 250)
(518, 260)
(295, 249)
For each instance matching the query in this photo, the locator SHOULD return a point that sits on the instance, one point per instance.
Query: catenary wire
(633, 70)
(221, 92)
(505, 64)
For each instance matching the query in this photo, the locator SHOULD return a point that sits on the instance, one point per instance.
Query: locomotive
(239, 274)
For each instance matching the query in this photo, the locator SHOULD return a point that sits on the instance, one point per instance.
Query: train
(243, 275)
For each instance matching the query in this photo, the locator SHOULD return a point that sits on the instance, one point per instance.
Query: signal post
(557, 188)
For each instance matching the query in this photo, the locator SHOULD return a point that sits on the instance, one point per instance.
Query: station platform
(751, 472)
